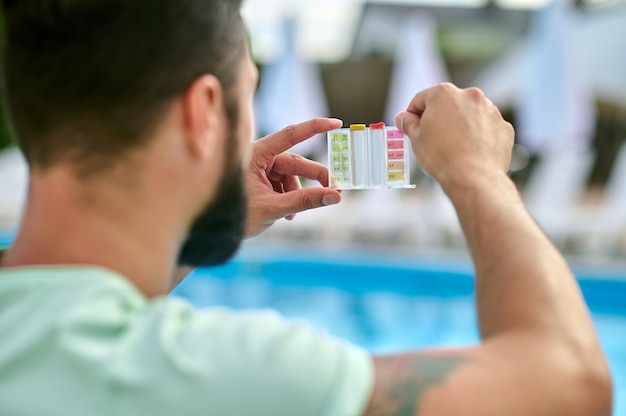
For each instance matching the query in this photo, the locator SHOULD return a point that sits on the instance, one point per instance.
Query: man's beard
(217, 232)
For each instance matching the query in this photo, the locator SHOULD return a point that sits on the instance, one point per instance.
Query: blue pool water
(390, 304)
(5, 238)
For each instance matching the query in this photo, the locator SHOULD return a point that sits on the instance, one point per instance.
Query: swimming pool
(389, 303)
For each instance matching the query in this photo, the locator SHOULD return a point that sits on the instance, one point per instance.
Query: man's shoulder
(63, 297)
(36, 277)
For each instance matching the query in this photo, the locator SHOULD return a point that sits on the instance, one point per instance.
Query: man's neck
(103, 224)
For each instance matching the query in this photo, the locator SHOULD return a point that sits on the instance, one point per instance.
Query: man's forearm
(522, 281)
(530, 307)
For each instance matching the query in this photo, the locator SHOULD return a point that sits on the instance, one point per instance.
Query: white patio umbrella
(554, 107)
(602, 39)
(290, 91)
(418, 63)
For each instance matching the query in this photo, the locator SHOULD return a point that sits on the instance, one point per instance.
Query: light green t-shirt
(85, 342)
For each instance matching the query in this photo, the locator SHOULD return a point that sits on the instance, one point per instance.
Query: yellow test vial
(358, 141)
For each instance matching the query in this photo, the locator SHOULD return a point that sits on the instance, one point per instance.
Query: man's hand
(455, 132)
(273, 187)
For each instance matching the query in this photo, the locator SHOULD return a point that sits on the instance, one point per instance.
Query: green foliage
(5, 135)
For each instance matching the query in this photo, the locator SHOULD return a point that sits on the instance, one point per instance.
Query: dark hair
(87, 80)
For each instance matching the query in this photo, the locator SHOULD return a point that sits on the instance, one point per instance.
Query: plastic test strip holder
(368, 158)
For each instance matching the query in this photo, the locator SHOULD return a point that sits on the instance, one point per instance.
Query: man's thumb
(308, 198)
(408, 123)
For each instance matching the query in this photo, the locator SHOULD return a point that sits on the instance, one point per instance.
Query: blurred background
(555, 68)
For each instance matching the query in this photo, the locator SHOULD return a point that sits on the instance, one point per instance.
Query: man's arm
(539, 353)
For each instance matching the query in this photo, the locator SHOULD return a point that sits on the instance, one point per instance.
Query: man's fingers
(420, 101)
(288, 137)
(408, 123)
(291, 203)
(289, 164)
(291, 183)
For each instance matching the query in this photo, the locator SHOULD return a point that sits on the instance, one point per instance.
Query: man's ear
(203, 110)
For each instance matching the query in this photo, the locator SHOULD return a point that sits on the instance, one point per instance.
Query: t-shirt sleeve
(220, 362)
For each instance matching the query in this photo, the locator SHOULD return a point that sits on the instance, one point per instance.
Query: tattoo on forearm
(409, 381)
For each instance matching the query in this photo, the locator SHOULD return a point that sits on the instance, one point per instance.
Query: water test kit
(373, 157)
